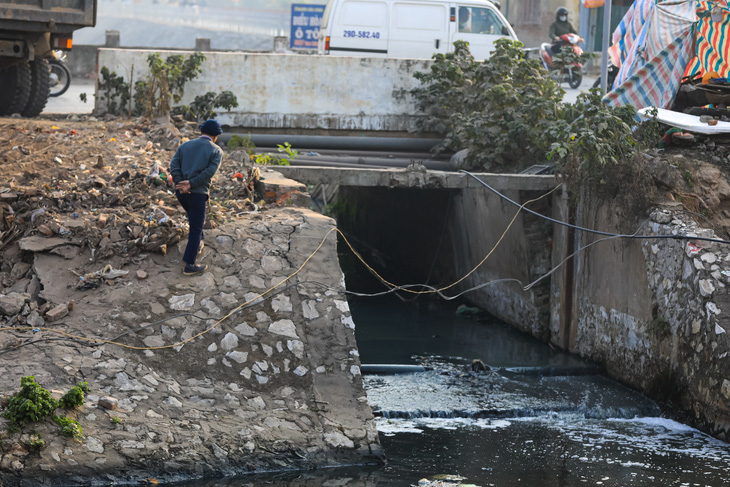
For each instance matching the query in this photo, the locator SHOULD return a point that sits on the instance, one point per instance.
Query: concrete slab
(404, 178)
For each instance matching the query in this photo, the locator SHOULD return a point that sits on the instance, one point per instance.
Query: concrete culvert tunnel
(437, 236)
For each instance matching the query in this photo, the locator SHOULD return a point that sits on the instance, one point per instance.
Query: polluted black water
(537, 417)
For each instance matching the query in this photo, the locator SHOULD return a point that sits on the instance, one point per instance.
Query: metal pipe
(387, 369)
(391, 144)
(606, 33)
(334, 161)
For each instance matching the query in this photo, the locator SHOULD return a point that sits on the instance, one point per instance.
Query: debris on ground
(100, 188)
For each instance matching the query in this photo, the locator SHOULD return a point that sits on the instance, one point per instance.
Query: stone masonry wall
(277, 385)
(656, 314)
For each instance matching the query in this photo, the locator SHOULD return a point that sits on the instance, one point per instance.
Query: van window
(365, 14)
(485, 21)
(464, 19)
(422, 17)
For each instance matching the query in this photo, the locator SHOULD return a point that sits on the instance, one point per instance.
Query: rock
(108, 402)
(662, 217)
(11, 304)
(40, 244)
(281, 303)
(229, 342)
(141, 275)
(696, 327)
(459, 159)
(173, 402)
(301, 371)
(153, 415)
(94, 445)
(19, 270)
(34, 319)
(309, 310)
(57, 313)
(154, 341)
(238, 357)
(284, 327)
(45, 230)
(182, 303)
(706, 287)
(726, 388)
(338, 440)
(246, 330)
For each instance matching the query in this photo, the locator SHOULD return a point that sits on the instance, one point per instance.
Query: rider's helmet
(560, 12)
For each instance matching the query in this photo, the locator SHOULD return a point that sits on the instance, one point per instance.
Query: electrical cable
(232, 312)
(590, 230)
(270, 292)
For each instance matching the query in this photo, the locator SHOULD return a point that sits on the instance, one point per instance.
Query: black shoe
(192, 269)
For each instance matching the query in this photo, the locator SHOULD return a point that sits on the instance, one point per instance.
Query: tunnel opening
(401, 233)
(437, 236)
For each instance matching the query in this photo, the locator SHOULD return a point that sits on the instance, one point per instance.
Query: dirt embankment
(91, 238)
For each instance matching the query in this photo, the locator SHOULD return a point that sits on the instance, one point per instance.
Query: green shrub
(69, 427)
(31, 403)
(74, 397)
(509, 113)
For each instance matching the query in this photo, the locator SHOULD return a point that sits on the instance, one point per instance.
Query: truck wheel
(40, 76)
(14, 88)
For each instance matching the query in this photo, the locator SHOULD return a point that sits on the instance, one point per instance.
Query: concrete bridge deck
(415, 178)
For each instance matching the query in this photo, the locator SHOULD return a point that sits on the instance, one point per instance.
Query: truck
(413, 29)
(30, 32)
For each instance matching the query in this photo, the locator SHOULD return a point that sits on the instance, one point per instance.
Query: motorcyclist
(560, 27)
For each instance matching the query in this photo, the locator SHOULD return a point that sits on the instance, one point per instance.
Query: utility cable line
(272, 291)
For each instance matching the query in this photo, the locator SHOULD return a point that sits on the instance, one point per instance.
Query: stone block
(57, 313)
(108, 402)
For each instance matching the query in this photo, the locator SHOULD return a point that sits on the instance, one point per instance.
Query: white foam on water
(668, 424)
(390, 427)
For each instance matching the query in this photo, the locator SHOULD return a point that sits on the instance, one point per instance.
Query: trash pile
(100, 187)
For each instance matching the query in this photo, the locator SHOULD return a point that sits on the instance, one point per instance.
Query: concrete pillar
(113, 38)
(281, 44)
(202, 44)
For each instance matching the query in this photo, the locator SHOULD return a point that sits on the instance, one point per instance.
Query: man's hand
(183, 186)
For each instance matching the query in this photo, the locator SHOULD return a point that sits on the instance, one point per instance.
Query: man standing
(192, 168)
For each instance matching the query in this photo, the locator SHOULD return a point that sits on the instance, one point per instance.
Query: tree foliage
(508, 111)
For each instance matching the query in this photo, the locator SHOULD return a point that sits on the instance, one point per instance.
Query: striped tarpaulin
(668, 20)
(629, 29)
(656, 83)
(713, 40)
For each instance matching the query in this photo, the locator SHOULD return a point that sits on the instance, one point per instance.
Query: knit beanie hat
(211, 127)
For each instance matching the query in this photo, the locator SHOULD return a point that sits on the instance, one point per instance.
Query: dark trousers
(195, 206)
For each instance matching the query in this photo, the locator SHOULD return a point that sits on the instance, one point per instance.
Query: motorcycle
(611, 77)
(572, 73)
(60, 76)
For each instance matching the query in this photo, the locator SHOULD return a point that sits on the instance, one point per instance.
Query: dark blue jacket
(196, 161)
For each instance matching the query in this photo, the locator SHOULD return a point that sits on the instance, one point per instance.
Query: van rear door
(418, 30)
(358, 28)
(480, 26)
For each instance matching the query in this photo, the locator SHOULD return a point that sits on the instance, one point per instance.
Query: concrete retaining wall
(479, 220)
(655, 313)
(297, 92)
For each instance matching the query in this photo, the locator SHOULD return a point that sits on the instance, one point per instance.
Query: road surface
(70, 102)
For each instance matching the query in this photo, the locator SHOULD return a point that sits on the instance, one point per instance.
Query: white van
(414, 29)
